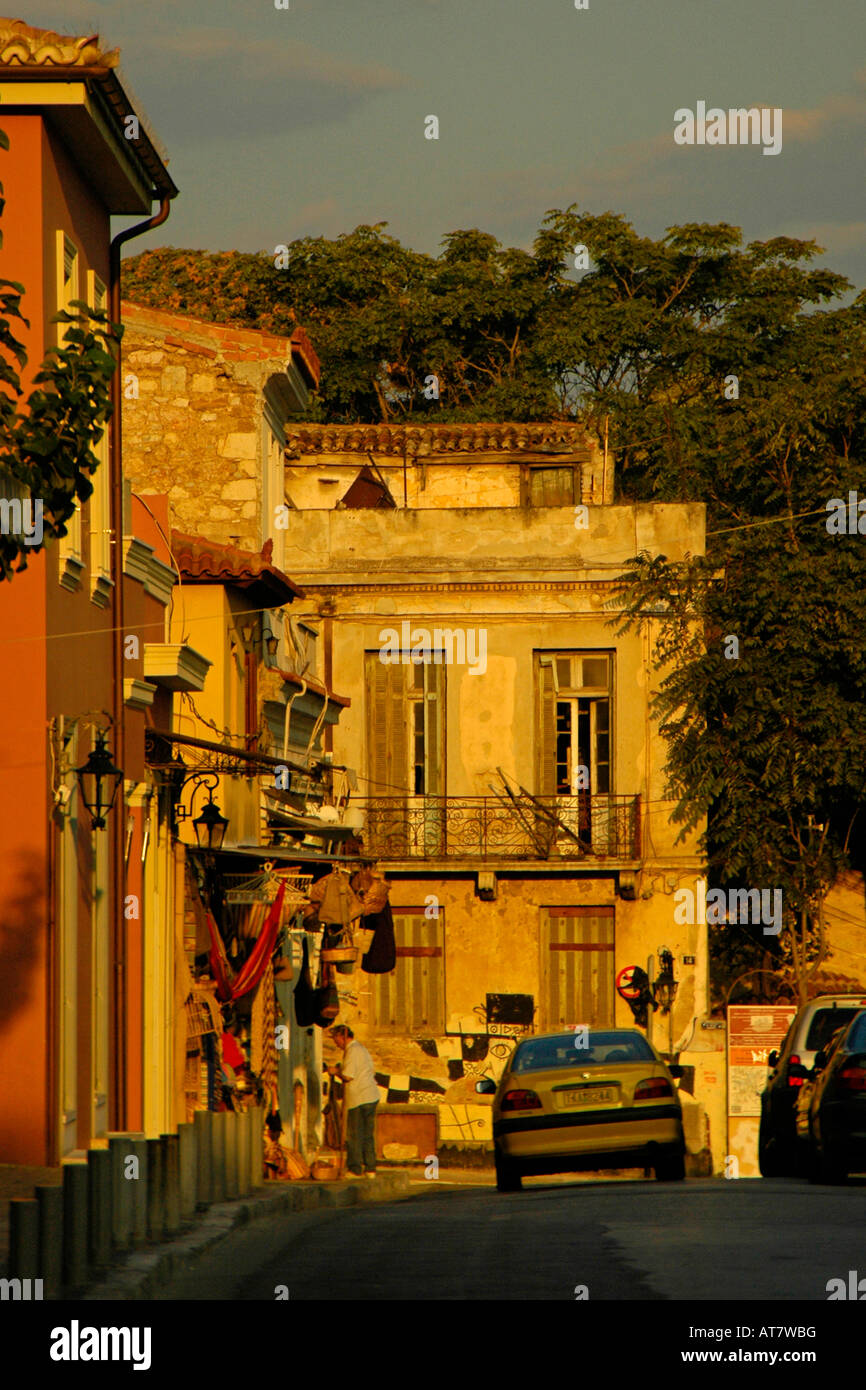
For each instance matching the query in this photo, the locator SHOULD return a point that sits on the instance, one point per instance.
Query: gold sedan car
(583, 1100)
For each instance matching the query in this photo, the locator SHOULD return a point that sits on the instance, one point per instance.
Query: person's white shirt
(357, 1070)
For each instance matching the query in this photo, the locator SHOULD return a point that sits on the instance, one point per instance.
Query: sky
(309, 120)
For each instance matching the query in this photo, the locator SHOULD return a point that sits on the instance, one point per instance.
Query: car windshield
(857, 1036)
(604, 1049)
(825, 1024)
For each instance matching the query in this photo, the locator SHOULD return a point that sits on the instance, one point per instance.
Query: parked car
(803, 1104)
(810, 1030)
(837, 1107)
(562, 1107)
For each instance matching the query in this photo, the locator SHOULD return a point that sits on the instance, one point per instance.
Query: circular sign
(625, 985)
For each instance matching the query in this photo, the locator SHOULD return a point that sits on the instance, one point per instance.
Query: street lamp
(210, 827)
(665, 986)
(98, 780)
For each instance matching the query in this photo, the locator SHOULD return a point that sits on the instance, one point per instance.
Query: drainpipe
(288, 717)
(118, 1120)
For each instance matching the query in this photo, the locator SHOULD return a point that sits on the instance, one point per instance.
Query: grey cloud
(219, 85)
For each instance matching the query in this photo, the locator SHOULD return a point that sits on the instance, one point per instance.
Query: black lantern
(210, 827)
(665, 986)
(98, 780)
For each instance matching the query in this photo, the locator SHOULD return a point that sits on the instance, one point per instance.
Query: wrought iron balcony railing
(473, 827)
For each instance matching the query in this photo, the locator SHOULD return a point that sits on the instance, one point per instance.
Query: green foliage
(47, 447)
(382, 318)
(770, 744)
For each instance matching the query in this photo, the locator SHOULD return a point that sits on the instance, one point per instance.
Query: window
(541, 1053)
(410, 999)
(405, 757)
(574, 742)
(67, 279)
(549, 487)
(577, 945)
(100, 499)
(70, 555)
(824, 1025)
(405, 728)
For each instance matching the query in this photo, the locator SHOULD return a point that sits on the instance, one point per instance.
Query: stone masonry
(192, 416)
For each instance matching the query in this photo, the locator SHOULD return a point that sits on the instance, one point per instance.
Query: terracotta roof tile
(203, 561)
(21, 45)
(507, 437)
(230, 340)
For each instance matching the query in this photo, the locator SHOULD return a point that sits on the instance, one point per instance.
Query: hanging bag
(338, 902)
(305, 994)
(327, 1000)
(382, 955)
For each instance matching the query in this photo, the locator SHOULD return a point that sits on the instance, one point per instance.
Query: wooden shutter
(434, 702)
(410, 999)
(551, 487)
(578, 943)
(546, 732)
(387, 728)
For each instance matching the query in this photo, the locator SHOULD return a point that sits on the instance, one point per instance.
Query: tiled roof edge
(484, 437)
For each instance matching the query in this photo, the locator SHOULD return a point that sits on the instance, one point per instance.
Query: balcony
(553, 828)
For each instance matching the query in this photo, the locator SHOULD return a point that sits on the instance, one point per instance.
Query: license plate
(592, 1095)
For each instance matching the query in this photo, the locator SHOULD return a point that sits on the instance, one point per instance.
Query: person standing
(362, 1101)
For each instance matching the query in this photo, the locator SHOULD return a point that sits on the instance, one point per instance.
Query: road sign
(626, 988)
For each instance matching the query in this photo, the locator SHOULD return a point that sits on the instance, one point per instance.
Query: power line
(768, 521)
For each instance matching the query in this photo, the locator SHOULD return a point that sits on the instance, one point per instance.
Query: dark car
(811, 1030)
(837, 1109)
(803, 1104)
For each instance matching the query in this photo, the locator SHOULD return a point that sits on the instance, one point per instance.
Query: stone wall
(194, 429)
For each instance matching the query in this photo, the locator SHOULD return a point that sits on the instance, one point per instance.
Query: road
(622, 1239)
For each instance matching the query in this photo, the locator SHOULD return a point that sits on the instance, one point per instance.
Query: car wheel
(671, 1167)
(768, 1156)
(508, 1178)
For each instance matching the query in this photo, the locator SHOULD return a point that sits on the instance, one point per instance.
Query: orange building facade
(71, 925)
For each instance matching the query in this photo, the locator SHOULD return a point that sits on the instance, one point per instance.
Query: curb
(138, 1275)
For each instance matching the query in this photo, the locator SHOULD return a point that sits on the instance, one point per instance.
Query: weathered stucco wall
(343, 543)
(496, 947)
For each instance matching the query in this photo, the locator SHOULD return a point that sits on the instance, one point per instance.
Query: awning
(284, 855)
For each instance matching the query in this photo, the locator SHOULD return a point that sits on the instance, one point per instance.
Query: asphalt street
(622, 1239)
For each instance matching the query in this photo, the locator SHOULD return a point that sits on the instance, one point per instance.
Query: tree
(46, 449)
(383, 319)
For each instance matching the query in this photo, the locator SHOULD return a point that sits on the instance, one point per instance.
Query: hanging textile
(372, 889)
(232, 1054)
(337, 902)
(268, 1039)
(382, 955)
(249, 921)
(305, 994)
(254, 968)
